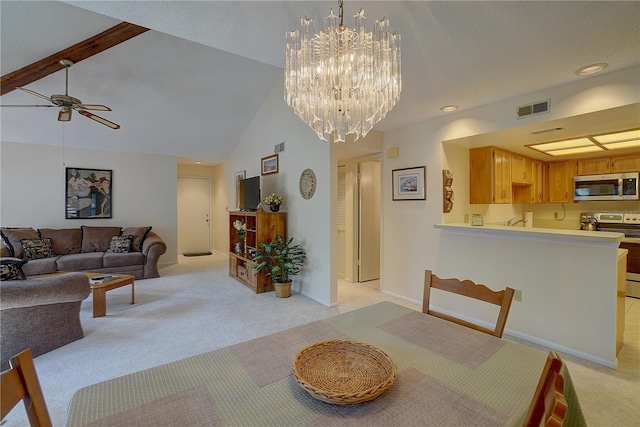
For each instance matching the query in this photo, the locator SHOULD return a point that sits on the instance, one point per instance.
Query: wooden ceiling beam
(76, 53)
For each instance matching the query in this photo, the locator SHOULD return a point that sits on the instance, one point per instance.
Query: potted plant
(274, 201)
(281, 259)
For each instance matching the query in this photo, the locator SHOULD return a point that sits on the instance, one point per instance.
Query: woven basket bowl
(344, 372)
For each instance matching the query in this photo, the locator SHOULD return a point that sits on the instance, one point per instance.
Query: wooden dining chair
(548, 407)
(469, 289)
(20, 382)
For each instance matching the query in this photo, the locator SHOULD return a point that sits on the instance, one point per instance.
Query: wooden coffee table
(99, 290)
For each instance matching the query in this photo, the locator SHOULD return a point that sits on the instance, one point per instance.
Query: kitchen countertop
(635, 240)
(595, 237)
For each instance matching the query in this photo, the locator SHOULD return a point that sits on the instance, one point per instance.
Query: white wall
(410, 243)
(310, 222)
(33, 189)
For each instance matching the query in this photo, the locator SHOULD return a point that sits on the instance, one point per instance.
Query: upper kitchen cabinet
(536, 191)
(561, 181)
(521, 173)
(609, 165)
(490, 175)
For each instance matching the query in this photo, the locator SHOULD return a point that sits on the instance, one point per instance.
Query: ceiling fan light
(65, 114)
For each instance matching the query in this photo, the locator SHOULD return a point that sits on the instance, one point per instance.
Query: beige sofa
(85, 248)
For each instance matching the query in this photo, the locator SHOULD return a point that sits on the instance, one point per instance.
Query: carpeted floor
(195, 307)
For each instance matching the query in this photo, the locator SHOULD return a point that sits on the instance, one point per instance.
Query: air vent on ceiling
(533, 109)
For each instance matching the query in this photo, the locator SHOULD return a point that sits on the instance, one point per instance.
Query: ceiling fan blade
(99, 119)
(64, 115)
(28, 105)
(96, 107)
(35, 93)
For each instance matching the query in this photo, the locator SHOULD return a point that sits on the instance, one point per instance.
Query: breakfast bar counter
(565, 282)
(447, 375)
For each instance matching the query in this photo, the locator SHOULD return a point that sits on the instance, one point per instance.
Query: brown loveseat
(95, 249)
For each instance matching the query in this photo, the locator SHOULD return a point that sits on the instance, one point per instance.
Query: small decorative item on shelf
(241, 228)
(274, 201)
(238, 248)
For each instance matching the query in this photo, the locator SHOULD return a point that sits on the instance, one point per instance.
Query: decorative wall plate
(307, 184)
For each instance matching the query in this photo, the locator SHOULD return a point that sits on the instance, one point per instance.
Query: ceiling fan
(68, 103)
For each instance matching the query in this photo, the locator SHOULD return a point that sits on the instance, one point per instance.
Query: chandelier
(341, 80)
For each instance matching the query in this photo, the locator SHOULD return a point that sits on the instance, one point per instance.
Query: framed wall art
(88, 194)
(409, 183)
(269, 164)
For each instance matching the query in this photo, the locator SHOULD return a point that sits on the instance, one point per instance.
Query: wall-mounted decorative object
(88, 193)
(237, 177)
(307, 183)
(269, 164)
(409, 183)
(447, 191)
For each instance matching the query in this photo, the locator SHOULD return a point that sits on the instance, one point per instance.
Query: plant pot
(275, 207)
(283, 290)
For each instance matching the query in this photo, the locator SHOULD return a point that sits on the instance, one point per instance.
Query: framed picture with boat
(409, 183)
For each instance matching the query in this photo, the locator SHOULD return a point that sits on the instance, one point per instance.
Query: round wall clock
(307, 183)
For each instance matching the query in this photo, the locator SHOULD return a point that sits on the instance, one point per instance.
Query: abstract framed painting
(89, 193)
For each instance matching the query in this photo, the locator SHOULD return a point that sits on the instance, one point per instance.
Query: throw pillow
(120, 244)
(11, 269)
(98, 239)
(37, 248)
(139, 234)
(12, 237)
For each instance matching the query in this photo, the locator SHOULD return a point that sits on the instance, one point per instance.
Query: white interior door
(369, 222)
(342, 226)
(194, 212)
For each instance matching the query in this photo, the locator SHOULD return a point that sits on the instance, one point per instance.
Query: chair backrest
(469, 289)
(548, 407)
(20, 382)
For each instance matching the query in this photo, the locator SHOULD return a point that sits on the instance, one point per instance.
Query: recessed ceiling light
(449, 108)
(591, 69)
(198, 162)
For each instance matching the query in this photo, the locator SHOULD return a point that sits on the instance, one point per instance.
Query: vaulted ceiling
(192, 84)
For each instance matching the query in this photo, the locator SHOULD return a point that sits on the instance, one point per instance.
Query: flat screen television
(250, 194)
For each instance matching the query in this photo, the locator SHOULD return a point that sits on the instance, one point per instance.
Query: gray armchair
(40, 313)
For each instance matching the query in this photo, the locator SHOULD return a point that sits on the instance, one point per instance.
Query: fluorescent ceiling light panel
(622, 144)
(618, 137)
(560, 145)
(577, 150)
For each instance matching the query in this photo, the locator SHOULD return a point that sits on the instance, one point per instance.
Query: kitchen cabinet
(617, 164)
(537, 191)
(490, 175)
(539, 178)
(561, 181)
(521, 170)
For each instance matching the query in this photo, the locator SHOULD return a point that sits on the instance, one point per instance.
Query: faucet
(514, 223)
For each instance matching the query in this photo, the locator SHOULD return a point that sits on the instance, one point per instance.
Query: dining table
(447, 375)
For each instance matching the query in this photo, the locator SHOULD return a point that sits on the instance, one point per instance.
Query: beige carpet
(195, 307)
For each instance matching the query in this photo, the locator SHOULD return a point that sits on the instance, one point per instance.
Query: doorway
(368, 223)
(358, 220)
(194, 213)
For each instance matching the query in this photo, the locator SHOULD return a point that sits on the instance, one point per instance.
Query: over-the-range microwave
(610, 186)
